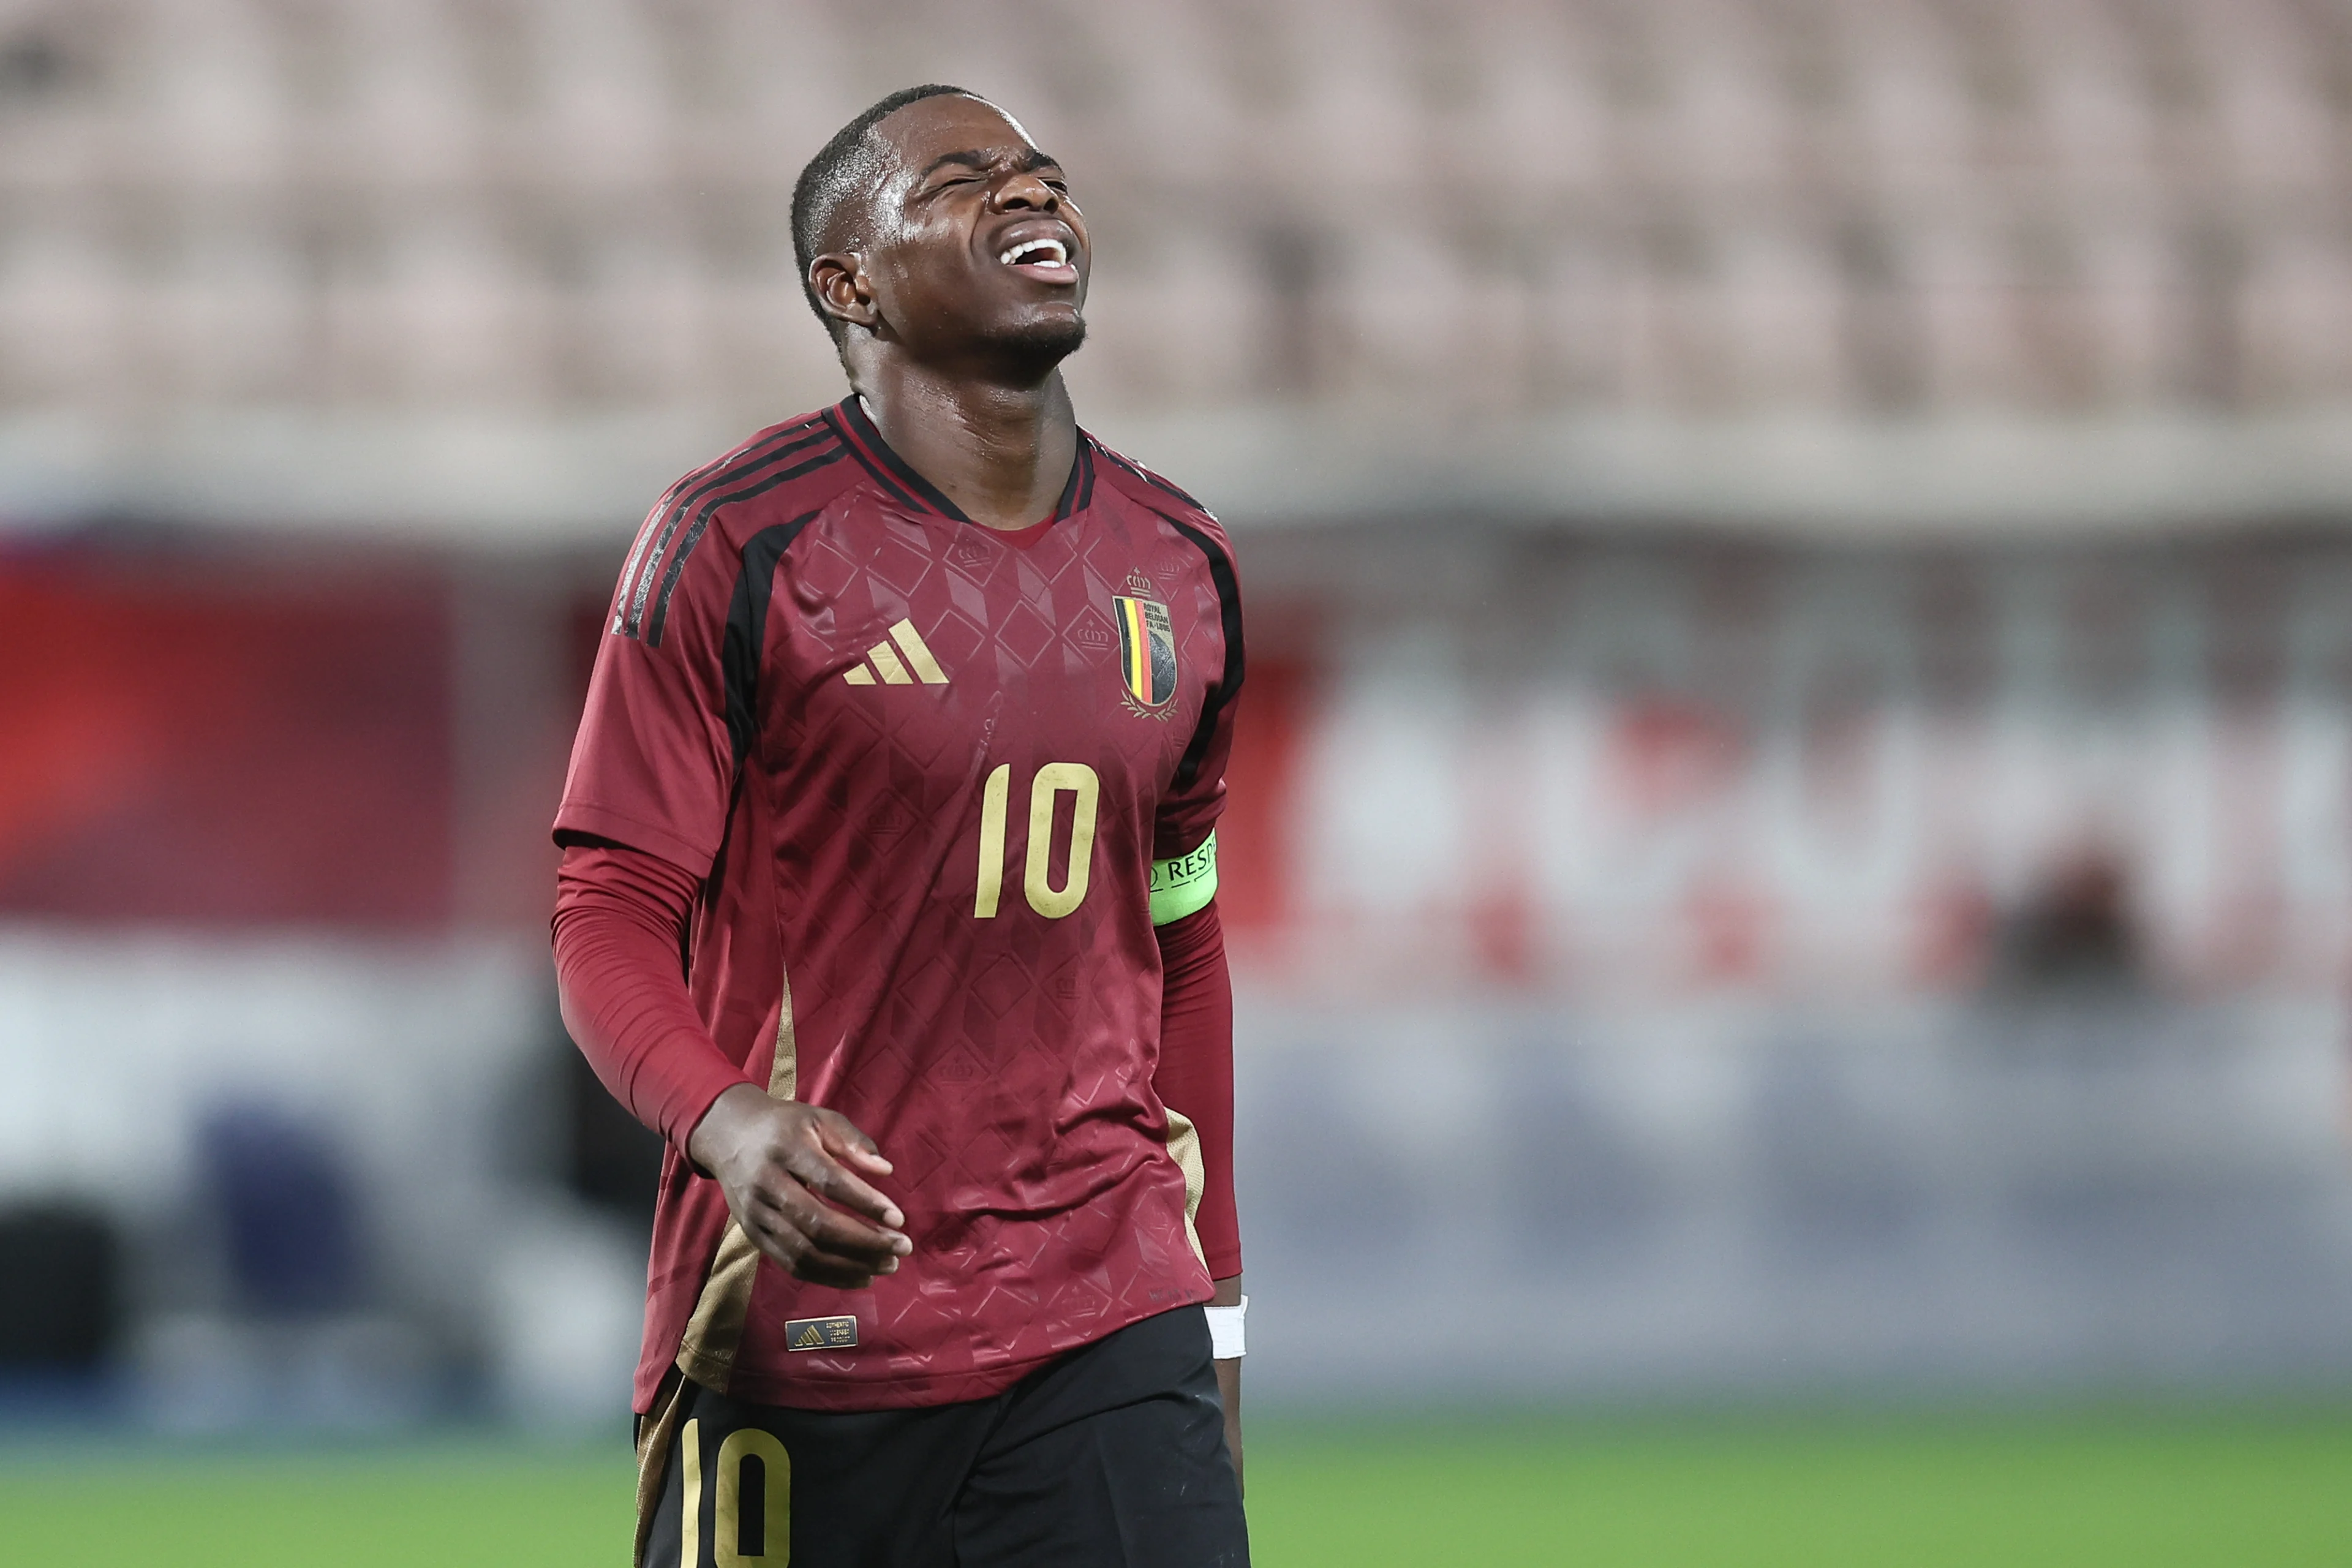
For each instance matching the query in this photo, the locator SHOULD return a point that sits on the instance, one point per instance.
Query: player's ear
(842, 288)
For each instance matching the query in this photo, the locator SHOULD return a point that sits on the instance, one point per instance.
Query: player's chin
(1043, 337)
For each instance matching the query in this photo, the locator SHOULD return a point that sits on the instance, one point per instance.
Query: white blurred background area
(1792, 832)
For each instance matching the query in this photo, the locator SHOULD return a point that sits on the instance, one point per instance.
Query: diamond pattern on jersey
(822, 573)
(900, 564)
(1026, 636)
(961, 637)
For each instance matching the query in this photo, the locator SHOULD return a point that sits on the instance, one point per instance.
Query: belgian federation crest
(1146, 650)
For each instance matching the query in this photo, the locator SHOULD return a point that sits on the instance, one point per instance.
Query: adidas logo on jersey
(885, 662)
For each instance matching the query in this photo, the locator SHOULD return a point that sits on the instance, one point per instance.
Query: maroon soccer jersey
(924, 767)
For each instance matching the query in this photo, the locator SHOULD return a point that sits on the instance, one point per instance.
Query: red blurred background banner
(223, 741)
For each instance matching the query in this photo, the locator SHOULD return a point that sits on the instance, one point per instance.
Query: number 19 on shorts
(1039, 877)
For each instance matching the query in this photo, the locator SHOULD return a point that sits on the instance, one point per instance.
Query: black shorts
(1113, 1454)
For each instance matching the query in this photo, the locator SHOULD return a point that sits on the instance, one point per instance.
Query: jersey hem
(940, 1388)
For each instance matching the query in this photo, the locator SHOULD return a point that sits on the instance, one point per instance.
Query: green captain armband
(1184, 885)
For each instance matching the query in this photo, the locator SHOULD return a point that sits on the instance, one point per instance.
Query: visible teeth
(1051, 248)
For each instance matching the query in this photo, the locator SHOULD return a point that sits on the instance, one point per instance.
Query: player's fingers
(822, 1258)
(830, 1230)
(816, 1171)
(835, 1186)
(791, 1251)
(798, 1166)
(844, 1141)
(791, 1225)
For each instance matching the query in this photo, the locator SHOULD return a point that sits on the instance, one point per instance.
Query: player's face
(975, 243)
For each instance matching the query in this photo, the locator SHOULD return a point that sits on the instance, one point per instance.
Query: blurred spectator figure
(287, 1211)
(2076, 935)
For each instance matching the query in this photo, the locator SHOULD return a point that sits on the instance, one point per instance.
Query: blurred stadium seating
(1801, 631)
(499, 266)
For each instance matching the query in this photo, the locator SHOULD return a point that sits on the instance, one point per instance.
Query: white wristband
(1225, 1331)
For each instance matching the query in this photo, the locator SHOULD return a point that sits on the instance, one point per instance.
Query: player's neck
(1001, 453)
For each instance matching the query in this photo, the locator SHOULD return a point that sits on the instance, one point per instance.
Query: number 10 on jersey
(1053, 781)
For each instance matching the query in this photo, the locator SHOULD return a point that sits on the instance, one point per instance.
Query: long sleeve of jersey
(619, 929)
(1195, 1076)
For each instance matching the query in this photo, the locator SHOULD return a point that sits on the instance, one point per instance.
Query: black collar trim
(1080, 493)
(892, 470)
(899, 478)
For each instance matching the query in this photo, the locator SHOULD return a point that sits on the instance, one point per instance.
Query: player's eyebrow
(1031, 161)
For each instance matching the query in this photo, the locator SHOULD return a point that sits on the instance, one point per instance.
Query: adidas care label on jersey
(820, 1333)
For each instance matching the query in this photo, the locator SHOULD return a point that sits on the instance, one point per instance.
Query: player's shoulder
(785, 471)
(790, 457)
(1144, 488)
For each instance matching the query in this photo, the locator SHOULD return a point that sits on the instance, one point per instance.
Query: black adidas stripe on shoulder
(1229, 615)
(747, 628)
(656, 562)
(654, 533)
(753, 485)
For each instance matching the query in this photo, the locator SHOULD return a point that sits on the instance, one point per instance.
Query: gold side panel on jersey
(714, 1334)
(656, 1437)
(1184, 1148)
(859, 676)
(918, 654)
(886, 661)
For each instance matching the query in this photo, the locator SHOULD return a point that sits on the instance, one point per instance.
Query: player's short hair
(835, 175)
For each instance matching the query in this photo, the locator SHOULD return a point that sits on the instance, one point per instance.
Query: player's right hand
(784, 1166)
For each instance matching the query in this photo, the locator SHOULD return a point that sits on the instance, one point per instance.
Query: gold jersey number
(771, 1546)
(1053, 781)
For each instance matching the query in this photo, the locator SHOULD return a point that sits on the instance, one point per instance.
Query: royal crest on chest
(1147, 647)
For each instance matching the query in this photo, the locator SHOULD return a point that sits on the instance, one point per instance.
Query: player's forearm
(1196, 1075)
(619, 917)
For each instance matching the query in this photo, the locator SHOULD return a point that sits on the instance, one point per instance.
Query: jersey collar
(902, 483)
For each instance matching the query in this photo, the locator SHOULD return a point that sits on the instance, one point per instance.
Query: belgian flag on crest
(1146, 649)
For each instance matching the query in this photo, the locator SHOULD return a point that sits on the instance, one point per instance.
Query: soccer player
(889, 855)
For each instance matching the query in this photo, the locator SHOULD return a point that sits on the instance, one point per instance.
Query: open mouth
(1047, 260)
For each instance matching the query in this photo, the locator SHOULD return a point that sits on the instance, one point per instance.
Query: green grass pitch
(2148, 1490)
